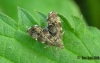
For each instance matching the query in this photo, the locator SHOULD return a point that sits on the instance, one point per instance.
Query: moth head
(53, 18)
(34, 31)
(52, 14)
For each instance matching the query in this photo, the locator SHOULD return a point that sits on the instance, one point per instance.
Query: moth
(52, 34)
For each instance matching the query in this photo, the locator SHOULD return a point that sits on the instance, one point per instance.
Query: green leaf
(26, 20)
(16, 46)
(43, 17)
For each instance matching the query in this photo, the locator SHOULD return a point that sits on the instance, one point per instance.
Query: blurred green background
(89, 10)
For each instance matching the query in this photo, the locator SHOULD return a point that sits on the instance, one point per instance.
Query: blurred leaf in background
(91, 11)
(66, 7)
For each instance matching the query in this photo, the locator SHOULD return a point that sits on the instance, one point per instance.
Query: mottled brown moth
(52, 34)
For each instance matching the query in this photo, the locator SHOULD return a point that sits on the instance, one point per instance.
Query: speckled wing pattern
(52, 34)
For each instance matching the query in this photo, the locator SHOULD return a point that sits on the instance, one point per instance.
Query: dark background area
(91, 11)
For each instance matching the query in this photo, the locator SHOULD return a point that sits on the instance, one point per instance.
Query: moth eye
(33, 31)
(50, 26)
